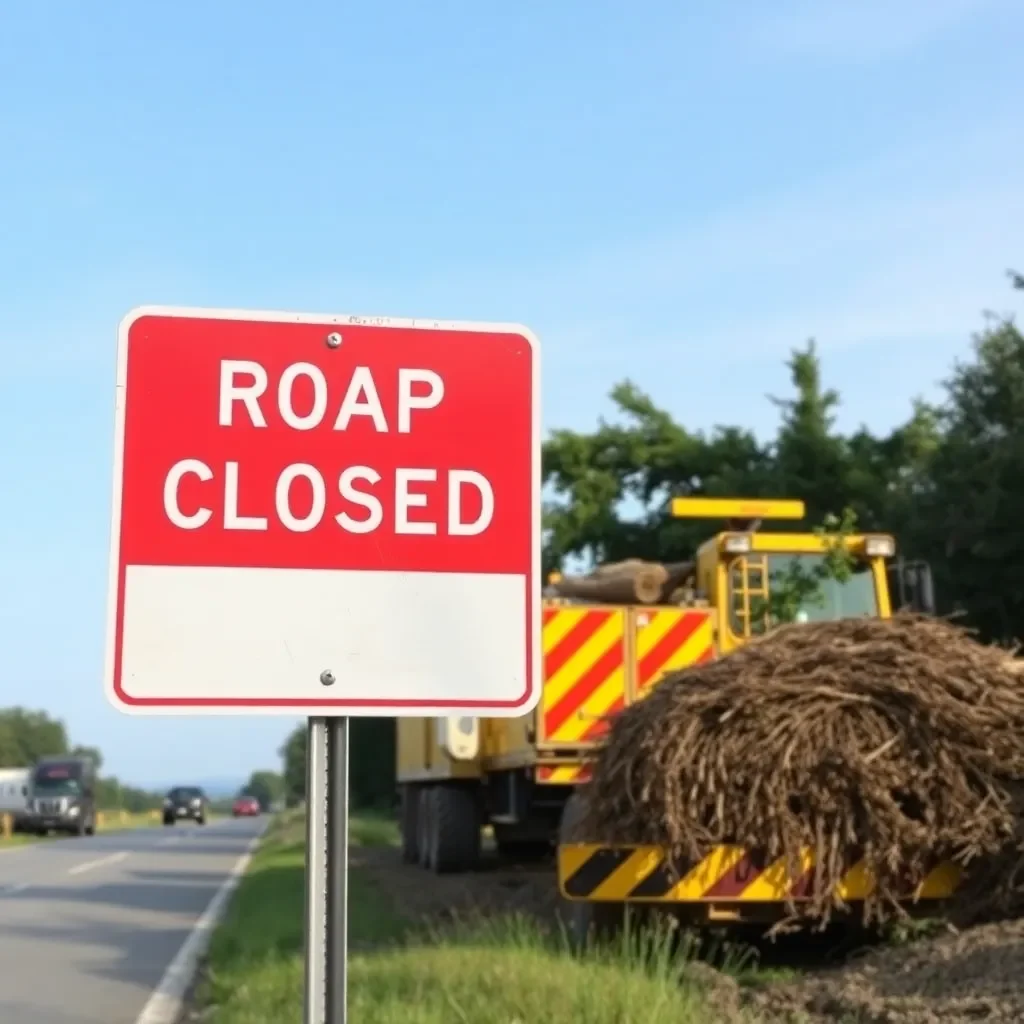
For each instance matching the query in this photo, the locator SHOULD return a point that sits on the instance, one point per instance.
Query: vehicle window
(750, 584)
(185, 793)
(57, 780)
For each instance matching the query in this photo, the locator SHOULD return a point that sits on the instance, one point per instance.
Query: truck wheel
(424, 838)
(454, 830)
(586, 923)
(409, 817)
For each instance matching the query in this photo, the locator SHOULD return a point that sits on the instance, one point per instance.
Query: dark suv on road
(185, 803)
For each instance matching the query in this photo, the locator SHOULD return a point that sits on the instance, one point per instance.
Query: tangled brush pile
(902, 739)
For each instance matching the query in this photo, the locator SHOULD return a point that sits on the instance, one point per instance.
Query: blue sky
(673, 197)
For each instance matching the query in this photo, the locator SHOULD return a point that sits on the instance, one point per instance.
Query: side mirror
(914, 588)
(926, 589)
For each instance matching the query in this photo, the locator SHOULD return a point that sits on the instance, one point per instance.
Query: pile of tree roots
(899, 742)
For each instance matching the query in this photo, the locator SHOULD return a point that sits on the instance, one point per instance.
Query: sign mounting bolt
(327, 677)
(334, 340)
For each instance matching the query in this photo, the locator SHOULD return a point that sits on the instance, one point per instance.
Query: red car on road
(246, 807)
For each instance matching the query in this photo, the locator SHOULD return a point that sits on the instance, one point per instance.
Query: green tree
(811, 461)
(610, 489)
(26, 736)
(293, 770)
(266, 786)
(371, 763)
(79, 750)
(968, 515)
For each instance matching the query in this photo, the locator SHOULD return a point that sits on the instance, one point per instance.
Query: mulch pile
(900, 738)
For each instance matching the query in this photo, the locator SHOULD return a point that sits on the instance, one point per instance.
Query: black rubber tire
(586, 924)
(201, 820)
(90, 829)
(424, 820)
(408, 818)
(168, 821)
(454, 831)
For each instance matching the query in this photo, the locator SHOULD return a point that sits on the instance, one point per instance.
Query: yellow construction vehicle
(734, 570)
(518, 775)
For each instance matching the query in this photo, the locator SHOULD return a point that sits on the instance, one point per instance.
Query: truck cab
(737, 569)
(63, 796)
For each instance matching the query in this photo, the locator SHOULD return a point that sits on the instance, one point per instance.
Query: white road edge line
(165, 1005)
(113, 858)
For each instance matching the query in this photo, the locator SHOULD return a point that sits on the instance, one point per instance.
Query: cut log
(629, 582)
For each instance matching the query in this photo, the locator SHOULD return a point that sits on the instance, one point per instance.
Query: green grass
(497, 971)
(373, 830)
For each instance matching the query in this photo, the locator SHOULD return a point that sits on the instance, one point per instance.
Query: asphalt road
(88, 927)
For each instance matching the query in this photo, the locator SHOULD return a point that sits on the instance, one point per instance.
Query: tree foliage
(293, 765)
(26, 736)
(371, 763)
(944, 482)
(267, 787)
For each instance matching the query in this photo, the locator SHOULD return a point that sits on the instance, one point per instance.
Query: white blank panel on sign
(385, 634)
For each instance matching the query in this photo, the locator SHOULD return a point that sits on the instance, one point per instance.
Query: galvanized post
(326, 948)
(337, 870)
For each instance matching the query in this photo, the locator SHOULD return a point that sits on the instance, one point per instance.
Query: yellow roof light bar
(737, 508)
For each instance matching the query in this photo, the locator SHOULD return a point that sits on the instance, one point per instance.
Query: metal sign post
(326, 945)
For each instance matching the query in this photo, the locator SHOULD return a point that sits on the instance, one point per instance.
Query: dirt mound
(977, 975)
(900, 739)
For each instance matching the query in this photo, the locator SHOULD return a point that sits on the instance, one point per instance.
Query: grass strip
(503, 970)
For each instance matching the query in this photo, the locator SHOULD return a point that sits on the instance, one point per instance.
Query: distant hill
(214, 788)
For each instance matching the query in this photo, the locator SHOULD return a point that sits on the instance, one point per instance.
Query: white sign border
(328, 710)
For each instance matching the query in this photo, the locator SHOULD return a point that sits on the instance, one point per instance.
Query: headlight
(196, 802)
(737, 543)
(73, 812)
(879, 547)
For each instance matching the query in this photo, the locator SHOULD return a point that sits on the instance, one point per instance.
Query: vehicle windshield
(184, 794)
(785, 582)
(56, 784)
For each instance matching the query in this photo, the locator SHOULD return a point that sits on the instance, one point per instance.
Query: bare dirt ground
(966, 978)
(974, 976)
(497, 888)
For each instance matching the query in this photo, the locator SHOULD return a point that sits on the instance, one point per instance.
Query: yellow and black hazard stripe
(727, 874)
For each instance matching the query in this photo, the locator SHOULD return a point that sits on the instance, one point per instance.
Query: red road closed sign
(316, 515)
